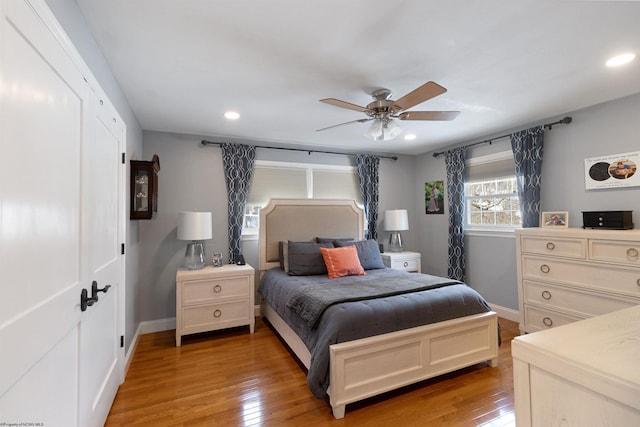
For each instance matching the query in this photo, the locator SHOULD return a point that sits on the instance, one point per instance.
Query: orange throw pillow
(342, 262)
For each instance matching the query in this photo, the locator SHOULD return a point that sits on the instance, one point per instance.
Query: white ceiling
(505, 63)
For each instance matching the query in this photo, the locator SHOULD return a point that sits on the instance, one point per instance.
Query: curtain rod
(549, 126)
(205, 142)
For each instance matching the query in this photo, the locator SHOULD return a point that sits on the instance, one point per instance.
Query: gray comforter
(347, 318)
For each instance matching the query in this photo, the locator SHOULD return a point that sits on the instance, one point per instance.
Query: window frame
(489, 229)
(309, 168)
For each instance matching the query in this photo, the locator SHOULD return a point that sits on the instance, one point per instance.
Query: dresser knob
(217, 314)
(406, 264)
(547, 321)
(217, 289)
(551, 246)
(632, 252)
(546, 295)
(545, 268)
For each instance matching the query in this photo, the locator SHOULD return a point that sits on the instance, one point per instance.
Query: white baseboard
(506, 313)
(151, 326)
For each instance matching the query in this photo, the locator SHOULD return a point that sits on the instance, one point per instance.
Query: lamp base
(395, 242)
(194, 256)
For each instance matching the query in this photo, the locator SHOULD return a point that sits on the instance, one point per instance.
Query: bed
(345, 361)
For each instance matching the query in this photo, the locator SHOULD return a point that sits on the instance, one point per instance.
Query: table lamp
(396, 220)
(196, 227)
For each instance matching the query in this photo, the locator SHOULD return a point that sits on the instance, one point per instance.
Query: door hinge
(121, 341)
(122, 249)
(123, 158)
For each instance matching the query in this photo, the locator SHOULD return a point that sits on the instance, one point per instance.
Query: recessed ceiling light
(410, 136)
(232, 115)
(619, 60)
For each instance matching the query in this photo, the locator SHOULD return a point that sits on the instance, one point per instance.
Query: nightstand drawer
(405, 264)
(215, 316)
(407, 261)
(203, 291)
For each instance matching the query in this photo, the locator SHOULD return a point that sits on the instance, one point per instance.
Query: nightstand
(407, 261)
(214, 298)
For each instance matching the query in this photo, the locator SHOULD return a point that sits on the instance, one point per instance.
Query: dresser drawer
(215, 316)
(555, 246)
(624, 252)
(572, 300)
(537, 319)
(203, 291)
(621, 280)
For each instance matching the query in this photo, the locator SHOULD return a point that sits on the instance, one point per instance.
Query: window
(491, 193)
(296, 181)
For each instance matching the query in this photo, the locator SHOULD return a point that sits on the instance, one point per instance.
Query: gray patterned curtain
(238, 161)
(368, 165)
(454, 161)
(527, 148)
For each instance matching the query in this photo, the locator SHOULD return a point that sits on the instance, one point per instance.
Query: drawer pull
(638, 282)
(406, 264)
(217, 289)
(551, 246)
(547, 321)
(546, 295)
(217, 314)
(545, 268)
(632, 252)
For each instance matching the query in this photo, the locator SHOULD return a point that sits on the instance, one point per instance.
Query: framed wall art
(434, 197)
(555, 219)
(612, 171)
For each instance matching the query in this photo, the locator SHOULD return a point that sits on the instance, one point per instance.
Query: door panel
(60, 215)
(41, 120)
(99, 355)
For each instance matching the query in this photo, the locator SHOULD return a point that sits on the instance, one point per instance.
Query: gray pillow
(331, 239)
(305, 258)
(368, 253)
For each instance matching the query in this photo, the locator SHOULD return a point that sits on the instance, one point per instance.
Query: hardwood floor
(233, 378)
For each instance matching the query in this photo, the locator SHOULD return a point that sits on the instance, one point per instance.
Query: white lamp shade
(396, 220)
(194, 225)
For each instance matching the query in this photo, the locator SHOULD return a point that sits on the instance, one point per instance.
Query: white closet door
(60, 208)
(42, 108)
(100, 361)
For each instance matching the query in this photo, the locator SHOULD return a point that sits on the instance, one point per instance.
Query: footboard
(370, 366)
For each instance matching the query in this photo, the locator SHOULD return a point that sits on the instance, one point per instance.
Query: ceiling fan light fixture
(383, 130)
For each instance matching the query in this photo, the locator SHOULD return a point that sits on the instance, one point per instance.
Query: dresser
(569, 274)
(407, 261)
(582, 374)
(214, 298)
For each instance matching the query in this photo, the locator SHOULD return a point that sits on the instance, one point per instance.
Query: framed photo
(434, 197)
(555, 219)
(612, 171)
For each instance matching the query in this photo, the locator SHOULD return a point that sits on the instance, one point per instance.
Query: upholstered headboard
(304, 220)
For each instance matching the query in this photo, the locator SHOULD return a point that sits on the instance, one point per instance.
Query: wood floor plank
(233, 378)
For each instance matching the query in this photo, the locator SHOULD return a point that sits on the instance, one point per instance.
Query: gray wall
(604, 129)
(71, 19)
(192, 178)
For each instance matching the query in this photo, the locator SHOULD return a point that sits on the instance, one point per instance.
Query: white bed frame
(370, 366)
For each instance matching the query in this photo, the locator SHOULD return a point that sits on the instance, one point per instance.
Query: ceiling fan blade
(428, 115)
(346, 123)
(426, 91)
(344, 104)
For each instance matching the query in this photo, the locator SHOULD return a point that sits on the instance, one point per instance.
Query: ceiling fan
(383, 110)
